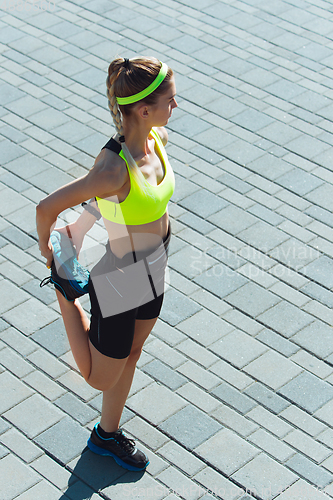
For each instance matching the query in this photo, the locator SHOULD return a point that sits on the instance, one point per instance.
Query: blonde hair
(125, 78)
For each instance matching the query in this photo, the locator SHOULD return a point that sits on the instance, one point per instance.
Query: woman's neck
(137, 139)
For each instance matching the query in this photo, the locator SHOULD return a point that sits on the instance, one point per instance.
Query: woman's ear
(143, 111)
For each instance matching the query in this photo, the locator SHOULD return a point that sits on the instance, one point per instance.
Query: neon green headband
(149, 90)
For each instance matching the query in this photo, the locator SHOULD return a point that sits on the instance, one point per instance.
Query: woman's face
(162, 110)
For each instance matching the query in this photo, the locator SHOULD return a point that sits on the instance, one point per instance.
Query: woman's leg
(98, 370)
(77, 326)
(114, 398)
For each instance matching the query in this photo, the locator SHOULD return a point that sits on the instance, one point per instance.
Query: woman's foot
(118, 446)
(67, 274)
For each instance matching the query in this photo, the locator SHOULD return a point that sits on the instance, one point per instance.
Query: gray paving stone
(198, 397)
(229, 258)
(75, 408)
(76, 383)
(47, 363)
(144, 403)
(272, 369)
(320, 214)
(165, 353)
(227, 394)
(190, 427)
(3, 451)
(203, 203)
(322, 196)
(264, 477)
(316, 338)
(168, 334)
(215, 483)
(187, 44)
(4, 426)
(125, 486)
(52, 471)
(306, 489)
(147, 434)
(285, 318)
(181, 458)
(11, 295)
(252, 119)
(13, 391)
(226, 451)
(25, 418)
(190, 261)
(269, 166)
(15, 477)
(308, 392)
(177, 307)
(302, 420)
(325, 413)
(212, 280)
(310, 471)
(307, 445)
(189, 125)
(192, 220)
(45, 294)
(232, 219)
(51, 440)
(30, 315)
(20, 445)
(263, 236)
(238, 348)
(266, 397)
(276, 342)
(236, 422)
(294, 254)
(269, 421)
(164, 374)
(299, 182)
(44, 385)
(318, 293)
(18, 237)
(197, 353)
(14, 363)
(53, 337)
(266, 215)
(252, 299)
(320, 271)
(40, 490)
(199, 375)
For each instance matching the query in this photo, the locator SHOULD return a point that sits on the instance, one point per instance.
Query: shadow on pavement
(96, 473)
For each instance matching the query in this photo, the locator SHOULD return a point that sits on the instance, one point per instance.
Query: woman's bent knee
(105, 371)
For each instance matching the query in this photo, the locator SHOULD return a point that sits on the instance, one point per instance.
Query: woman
(130, 185)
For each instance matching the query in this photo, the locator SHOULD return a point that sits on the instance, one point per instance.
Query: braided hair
(128, 77)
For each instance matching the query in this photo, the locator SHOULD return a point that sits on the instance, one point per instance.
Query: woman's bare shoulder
(109, 172)
(162, 132)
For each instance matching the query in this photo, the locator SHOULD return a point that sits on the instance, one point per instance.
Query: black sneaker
(121, 448)
(67, 274)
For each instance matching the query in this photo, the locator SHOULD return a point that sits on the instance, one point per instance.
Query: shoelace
(127, 444)
(45, 281)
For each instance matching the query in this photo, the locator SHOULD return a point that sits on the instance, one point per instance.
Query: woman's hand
(47, 253)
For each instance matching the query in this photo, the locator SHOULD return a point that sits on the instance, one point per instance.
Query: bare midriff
(122, 238)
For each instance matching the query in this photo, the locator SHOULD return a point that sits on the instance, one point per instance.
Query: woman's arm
(97, 182)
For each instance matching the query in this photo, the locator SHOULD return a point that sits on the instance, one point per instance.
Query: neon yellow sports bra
(140, 207)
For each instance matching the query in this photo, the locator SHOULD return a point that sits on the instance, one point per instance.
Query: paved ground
(233, 397)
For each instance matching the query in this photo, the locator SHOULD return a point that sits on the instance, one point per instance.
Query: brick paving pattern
(233, 394)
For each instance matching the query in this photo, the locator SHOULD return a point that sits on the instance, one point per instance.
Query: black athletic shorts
(123, 290)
